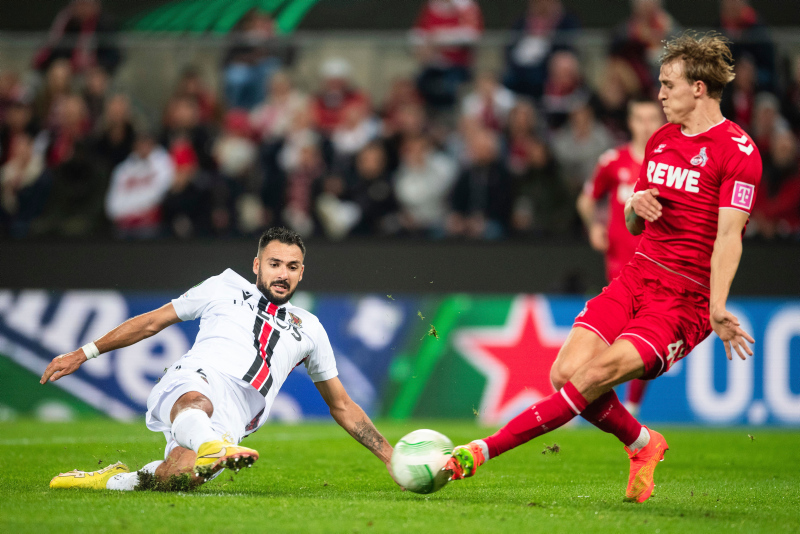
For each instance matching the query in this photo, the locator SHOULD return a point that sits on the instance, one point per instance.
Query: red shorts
(663, 314)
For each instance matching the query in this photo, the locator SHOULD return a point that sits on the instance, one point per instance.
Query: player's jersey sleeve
(320, 364)
(602, 180)
(740, 178)
(191, 304)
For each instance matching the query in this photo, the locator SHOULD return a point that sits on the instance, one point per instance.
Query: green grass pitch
(314, 478)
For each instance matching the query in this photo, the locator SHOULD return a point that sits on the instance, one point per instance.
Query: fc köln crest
(515, 357)
(701, 159)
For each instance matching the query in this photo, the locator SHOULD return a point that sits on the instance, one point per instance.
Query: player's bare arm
(128, 333)
(352, 418)
(724, 262)
(598, 234)
(642, 206)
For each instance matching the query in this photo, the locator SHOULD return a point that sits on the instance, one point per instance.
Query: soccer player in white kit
(250, 339)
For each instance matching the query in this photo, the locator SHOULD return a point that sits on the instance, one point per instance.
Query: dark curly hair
(282, 235)
(706, 58)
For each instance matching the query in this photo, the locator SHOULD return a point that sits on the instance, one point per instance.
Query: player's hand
(726, 325)
(63, 365)
(645, 205)
(598, 237)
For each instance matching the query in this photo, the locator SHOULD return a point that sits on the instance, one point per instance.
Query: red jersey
(459, 22)
(696, 176)
(615, 176)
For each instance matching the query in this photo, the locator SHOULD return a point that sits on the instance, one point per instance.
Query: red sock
(542, 417)
(609, 415)
(636, 390)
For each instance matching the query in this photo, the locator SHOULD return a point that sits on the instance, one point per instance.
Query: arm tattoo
(366, 434)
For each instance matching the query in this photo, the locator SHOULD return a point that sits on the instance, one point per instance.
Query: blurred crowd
(451, 152)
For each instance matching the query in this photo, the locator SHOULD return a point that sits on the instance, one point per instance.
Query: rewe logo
(672, 176)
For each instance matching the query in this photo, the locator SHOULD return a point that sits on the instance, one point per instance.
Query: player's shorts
(663, 314)
(236, 405)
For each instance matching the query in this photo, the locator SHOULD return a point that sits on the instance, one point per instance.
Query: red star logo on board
(516, 357)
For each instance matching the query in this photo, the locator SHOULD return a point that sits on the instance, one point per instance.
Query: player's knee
(190, 401)
(558, 376)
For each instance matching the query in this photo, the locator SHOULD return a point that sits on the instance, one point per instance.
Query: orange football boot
(643, 464)
(465, 461)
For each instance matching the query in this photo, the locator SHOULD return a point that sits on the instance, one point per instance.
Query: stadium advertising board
(400, 356)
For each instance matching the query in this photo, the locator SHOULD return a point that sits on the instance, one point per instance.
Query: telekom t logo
(742, 195)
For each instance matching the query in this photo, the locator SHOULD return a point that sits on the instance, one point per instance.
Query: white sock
(484, 447)
(191, 428)
(128, 481)
(641, 441)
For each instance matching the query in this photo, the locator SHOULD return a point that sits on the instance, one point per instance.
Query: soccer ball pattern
(418, 459)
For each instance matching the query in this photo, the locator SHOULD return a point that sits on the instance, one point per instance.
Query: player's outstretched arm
(640, 207)
(724, 262)
(352, 418)
(130, 332)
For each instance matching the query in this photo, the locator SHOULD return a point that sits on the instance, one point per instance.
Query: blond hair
(706, 58)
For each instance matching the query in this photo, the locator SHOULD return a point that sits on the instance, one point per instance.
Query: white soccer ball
(418, 459)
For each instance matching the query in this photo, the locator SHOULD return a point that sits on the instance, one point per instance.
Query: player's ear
(699, 88)
(255, 265)
(302, 269)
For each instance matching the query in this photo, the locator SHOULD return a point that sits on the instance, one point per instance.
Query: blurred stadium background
(144, 145)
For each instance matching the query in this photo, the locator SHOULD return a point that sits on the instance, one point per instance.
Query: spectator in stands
(115, 133)
(95, 92)
(767, 121)
(182, 121)
(71, 125)
(236, 156)
(577, 147)
(402, 93)
(188, 204)
(57, 85)
(83, 34)
(411, 121)
(640, 40)
(444, 35)
(139, 185)
(523, 128)
(358, 127)
(738, 100)
(422, 185)
(777, 209)
(11, 91)
(336, 212)
(546, 27)
(740, 23)
(272, 118)
(481, 197)
(192, 86)
(336, 94)
(490, 102)
(302, 187)
(565, 89)
(255, 54)
(23, 186)
(617, 86)
(791, 99)
(371, 190)
(19, 121)
(75, 200)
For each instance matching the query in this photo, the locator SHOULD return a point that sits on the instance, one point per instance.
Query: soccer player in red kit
(691, 204)
(614, 178)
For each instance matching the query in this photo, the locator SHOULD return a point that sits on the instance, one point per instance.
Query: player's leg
(607, 412)
(634, 396)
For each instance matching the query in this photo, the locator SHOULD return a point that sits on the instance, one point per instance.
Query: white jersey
(246, 337)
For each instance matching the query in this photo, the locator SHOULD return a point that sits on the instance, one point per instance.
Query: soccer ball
(418, 459)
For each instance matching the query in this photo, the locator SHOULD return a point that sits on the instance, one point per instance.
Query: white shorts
(236, 404)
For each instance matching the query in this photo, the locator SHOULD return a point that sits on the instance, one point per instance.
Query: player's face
(644, 119)
(278, 270)
(678, 97)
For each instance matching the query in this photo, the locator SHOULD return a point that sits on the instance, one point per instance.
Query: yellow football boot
(215, 455)
(88, 479)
